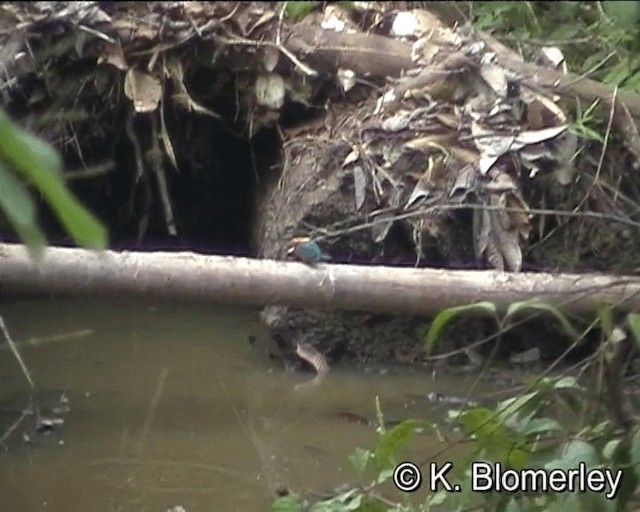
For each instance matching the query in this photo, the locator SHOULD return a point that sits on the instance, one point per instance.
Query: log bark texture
(190, 276)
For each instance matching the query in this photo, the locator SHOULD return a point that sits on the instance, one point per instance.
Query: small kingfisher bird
(307, 251)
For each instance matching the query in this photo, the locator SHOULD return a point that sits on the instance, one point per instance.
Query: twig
(97, 34)
(155, 160)
(589, 72)
(153, 406)
(15, 425)
(446, 207)
(248, 42)
(15, 351)
(34, 342)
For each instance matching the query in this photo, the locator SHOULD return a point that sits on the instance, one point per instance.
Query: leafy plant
(519, 433)
(489, 309)
(27, 160)
(598, 39)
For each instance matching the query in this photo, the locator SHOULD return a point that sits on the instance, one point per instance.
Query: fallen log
(197, 277)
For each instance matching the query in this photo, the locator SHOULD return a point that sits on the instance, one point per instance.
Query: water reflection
(171, 405)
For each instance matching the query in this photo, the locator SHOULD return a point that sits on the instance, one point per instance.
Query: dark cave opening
(212, 194)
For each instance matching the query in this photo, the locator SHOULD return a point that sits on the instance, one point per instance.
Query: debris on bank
(403, 141)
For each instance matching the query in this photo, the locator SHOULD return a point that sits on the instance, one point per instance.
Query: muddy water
(169, 405)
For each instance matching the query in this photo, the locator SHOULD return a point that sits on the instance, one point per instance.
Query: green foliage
(623, 14)
(583, 122)
(529, 431)
(25, 159)
(491, 434)
(444, 317)
(600, 39)
(392, 440)
(633, 321)
(290, 503)
(543, 307)
(295, 11)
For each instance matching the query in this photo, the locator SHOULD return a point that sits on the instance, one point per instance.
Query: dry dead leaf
(166, 141)
(567, 146)
(430, 181)
(542, 112)
(494, 237)
(266, 16)
(347, 79)
(381, 226)
(173, 68)
(496, 78)
(359, 186)
(520, 218)
(143, 89)
(270, 57)
(418, 22)
(554, 56)
(353, 156)
(481, 229)
(507, 243)
(338, 19)
(500, 182)
(528, 137)
(115, 56)
(397, 122)
(270, 91)
(466, 182)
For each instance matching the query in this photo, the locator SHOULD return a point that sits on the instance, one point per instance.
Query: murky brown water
(170, 405)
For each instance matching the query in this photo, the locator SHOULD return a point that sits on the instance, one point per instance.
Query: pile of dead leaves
(453, 127)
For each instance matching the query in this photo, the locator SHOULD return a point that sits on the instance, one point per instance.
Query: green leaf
(355, 503)
(518, 406)
(493, 437)
(592, 60)
(633, 321)
(567, 502)
(567, 382)
(635, 449)
(360, 459)
(295, 11)
(444, 317)
(542, 456)
(618, 73)
(542, 426)
(288, 503)
(574, 453)
(609, 450)
(41, 166)
(585, 132)
(605, 314)
(392, 440)
(438, 498)
(624, 15)
(374, 505)
(513, 506)
(622, 460)
(384, 475)
(577, 451)
(18, 207)
(518, 307)
(565, 31)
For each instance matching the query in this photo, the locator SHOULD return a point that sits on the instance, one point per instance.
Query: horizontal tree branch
(226, 279)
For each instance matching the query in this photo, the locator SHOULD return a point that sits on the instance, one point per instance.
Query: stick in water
(14, 349)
